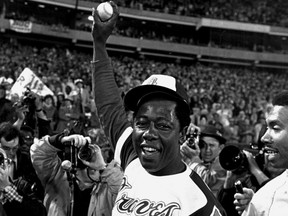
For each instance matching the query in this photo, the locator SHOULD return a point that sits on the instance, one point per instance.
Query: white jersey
(271, 199)
(166, 195)
(142, 194)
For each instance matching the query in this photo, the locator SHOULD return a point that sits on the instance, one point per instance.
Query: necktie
(12, 169)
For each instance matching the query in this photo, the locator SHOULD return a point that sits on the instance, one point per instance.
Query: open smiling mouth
(270, 151)
(149, 150)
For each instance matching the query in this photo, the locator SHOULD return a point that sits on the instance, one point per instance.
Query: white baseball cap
(157, 84)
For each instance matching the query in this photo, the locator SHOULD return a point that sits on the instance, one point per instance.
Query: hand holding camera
(76, 139)
(190, 148)
(91, 156)
(192, 136)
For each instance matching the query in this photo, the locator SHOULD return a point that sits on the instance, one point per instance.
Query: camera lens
(86, 152)
(233, 159)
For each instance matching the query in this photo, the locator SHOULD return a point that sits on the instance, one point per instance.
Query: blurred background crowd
(263, 12)
(233, 98)
(268, 12)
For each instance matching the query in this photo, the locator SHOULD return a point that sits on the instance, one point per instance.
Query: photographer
(6, 106)
(20, 167)
(30, 113)
(203, 158)
(16, 196)
(247, 172)
(95, 180)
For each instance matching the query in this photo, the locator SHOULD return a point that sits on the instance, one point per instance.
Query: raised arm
(106, 93)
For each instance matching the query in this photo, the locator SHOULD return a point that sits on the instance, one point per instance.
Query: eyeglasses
(13, 149)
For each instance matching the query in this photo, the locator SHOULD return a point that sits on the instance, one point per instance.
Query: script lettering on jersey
(129, 205)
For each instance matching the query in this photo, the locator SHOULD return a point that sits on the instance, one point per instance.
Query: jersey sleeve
(111, 111)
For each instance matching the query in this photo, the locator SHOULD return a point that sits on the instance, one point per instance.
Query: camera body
(86, 153)
(233, 159)
(192, 138)
(28, 99)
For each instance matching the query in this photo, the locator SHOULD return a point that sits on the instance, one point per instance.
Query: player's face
(276, 137)
(156, 137)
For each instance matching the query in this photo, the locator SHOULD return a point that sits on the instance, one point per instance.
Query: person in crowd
(245, 167)
(32, 116)
(28, 137)
(68, 91)
(269, 172)
(271, 198)
(20, 167)
(156, 180)
(82, 94)
(67, 114)
(250, 175)
(49, 108)
(7, 112)
(96, 181)
(203, 158)
(59, 99)
(17, 196)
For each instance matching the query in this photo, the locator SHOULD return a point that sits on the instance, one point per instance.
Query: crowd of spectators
(260, 12)
(233, 98)
(66, 19)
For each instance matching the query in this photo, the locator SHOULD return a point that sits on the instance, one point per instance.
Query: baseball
(105, 11)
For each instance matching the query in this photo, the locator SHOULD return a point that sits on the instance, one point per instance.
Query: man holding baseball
(156, 181)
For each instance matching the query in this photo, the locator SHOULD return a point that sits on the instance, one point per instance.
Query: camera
(28, 99)
(233, 159)
(192, 138)
(86, 153)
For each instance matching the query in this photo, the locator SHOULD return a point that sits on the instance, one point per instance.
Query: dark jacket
(7, 112)
(30, 205)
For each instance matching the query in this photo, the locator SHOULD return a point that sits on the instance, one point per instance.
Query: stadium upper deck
(173, 30)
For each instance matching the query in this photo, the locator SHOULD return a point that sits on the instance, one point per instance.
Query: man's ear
(222, 146)
(183, 135)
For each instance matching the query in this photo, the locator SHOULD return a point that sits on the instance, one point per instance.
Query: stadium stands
(234, 66)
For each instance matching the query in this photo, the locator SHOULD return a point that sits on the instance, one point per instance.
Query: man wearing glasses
(11, 141)
(16, 196)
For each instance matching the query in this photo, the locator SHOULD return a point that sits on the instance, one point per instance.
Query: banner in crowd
(28, 79)
(21, 26)
(233, 25)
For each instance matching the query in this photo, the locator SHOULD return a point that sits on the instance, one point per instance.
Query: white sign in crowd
(28, 79)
